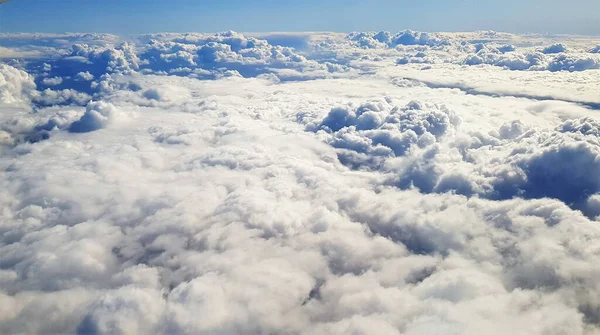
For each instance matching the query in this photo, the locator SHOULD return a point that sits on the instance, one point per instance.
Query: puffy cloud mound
(86, 76)
(507, 48)
(122, 58)
(389, 40)
(509, 60)
(20, 126)
(207, 56)
(566, 62)
(421, 146)
(52, 81)
(585, 126)
(554, 49)
(98, 114)
(534, 60)
(373, 131)
(15, 85)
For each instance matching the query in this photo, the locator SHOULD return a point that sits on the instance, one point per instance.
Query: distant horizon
(305, 32)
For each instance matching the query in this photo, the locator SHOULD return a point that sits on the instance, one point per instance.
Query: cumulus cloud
(52, 81)
(97, 116)
(86, 76)
(15, 85)
(554, 49)
(376, 130)
(389, 40)
(511, 60)
(210, 56)
(224, 183)
(534, 60)
(416, 146)
(567, 62)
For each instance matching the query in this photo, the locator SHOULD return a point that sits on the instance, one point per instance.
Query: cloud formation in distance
(225, 184)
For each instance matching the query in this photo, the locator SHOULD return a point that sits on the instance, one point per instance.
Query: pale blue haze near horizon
(137, 16)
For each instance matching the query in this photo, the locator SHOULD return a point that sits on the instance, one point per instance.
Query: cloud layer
(225, 184)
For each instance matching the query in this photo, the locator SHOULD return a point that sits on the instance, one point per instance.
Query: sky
(138, 16)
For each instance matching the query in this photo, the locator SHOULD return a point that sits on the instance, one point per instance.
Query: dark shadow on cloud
(554, 49)
(568, 173)
(87, 327)
(97, 116)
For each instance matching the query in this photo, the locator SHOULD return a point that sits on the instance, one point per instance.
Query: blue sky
(140, 16)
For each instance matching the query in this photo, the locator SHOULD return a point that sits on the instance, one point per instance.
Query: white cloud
(86, 76)
(52, 81)
(554, 49)
(387, 39)
(15, 85)
(216, 184)
(215, 54)
(97, 116)
(67, 96)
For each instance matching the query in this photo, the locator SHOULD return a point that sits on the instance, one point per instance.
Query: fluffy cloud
(511, 60)
(566, 62)
(209, 56)
(376, 130)
(86, 76)
(389, 40)
(15, 85)
(97, 116)
(418, 146)
(186, 184)
(52, 81)
(535, 60)
(554, 49)
(122, 58)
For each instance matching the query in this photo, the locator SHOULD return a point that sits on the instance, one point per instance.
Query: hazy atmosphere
(333, 167)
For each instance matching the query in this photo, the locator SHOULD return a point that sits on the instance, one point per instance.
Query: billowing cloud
(97, 116)
(52, 81)
(15, 85)
(554, 49)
